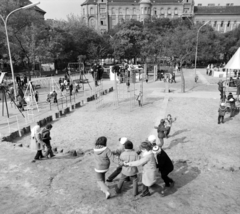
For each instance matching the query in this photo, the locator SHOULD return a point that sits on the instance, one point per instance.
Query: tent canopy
(234, 62)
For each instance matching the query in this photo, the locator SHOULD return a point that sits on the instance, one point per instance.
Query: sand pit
(205, 154)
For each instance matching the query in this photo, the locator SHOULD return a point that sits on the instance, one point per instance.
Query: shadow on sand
(182, 174)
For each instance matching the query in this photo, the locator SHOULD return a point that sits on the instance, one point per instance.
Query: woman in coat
(36, 142)
(148, 163)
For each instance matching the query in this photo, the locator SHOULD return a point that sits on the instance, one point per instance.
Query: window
(155, 11)
(186, 10)
(91, 11)
(176, 12)
(102, 10)
(142, 10)
(149, 11)
(145, 10)
(127, 11)
(113, 20)
(113, 10)
(228, 24)
(134, 11)
(120, 11)
(92, 23)
(169, 11)
(162, 11)
(84, 11)
(215, 24)
(222, 24)
(103, 22)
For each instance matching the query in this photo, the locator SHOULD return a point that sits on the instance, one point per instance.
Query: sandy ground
(206, 160)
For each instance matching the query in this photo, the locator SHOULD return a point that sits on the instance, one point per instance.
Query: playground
(205, 155)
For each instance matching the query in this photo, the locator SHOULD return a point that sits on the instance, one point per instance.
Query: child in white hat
(221, 113)
(118, 152)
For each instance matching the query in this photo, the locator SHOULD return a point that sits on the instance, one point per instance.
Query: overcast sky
(59, 9)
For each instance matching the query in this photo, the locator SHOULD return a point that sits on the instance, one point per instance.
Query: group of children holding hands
(152, 157)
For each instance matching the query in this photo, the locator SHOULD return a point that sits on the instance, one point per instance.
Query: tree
(127, 41)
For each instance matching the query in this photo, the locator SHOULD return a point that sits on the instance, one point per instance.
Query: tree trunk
(183, 79)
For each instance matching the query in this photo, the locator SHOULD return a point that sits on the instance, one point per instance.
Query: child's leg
(114, 174)
(222, 117)
(145, 191)
(101, 183)
(166, 179)
(219, 119)
(135, 184)
(161, 142)
(120, 183)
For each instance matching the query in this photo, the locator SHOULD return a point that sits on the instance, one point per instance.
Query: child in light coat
(118, 152)
(128, 172)
(102, 156)
(149, 167)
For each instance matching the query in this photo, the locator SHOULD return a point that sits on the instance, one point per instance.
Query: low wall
(26, 130)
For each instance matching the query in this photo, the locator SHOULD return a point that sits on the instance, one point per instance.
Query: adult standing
(46, 139)
(220, 88)
(161, 129)
(232, 106)
(238, 87)
(149, 167)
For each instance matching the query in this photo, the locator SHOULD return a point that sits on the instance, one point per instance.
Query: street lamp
(9, 50)
(197, 45)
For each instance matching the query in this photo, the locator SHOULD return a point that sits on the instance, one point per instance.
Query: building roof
(219, 10)
(131, 1)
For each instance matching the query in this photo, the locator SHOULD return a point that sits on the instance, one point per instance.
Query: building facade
(221, 18)
(103, 15)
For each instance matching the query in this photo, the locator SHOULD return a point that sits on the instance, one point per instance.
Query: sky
(59, 9)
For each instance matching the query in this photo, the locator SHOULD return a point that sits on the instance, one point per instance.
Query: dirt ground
(206, 160)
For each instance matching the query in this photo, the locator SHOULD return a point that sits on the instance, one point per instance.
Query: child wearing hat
(102, 156)
(221, 113)
(149, 167)
(164, 164)
(118, 152)
(128, 172)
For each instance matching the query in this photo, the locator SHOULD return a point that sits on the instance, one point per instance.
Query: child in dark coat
(164, 164)
(221, 113)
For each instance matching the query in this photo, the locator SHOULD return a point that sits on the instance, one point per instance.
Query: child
(139, 98)
(36, 95)
(102, 156)
(164, 164)
(168, 124)
(118, 152)
(128, 172)
(221, 113)
(149, 167)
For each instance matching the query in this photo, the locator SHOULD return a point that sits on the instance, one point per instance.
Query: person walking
(47, 140)
(36, 142)
(149, 167)
(164, 165)
(168, 124)
(221, 113)
(232, 106)
(220, 88)
(118, 152)
(102, 157)
(128, 155)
